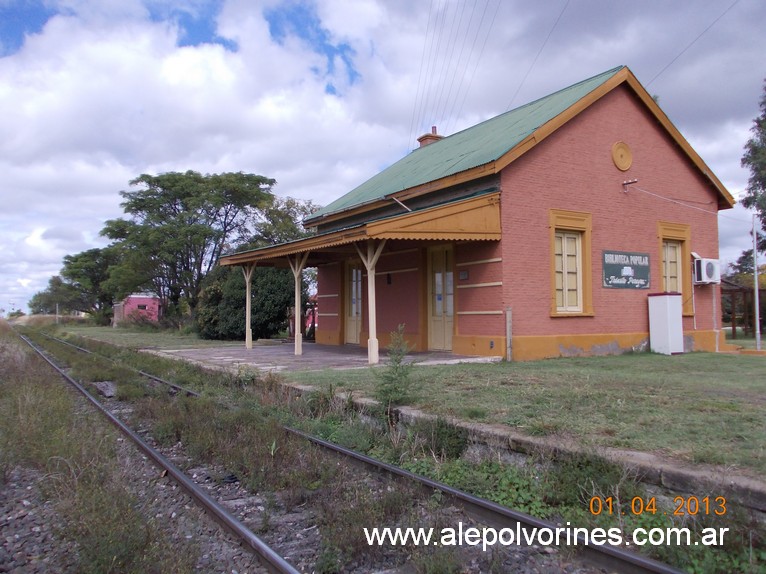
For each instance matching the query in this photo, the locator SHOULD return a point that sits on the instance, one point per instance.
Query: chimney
(426, 139)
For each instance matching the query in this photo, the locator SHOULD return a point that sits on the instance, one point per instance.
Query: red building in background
(138, 307)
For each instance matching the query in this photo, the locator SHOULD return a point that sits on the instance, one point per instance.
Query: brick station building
(541, 232)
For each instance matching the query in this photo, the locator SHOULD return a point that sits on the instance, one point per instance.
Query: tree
(755, 160)
(221, 311)
(58, 293)
(88, 273)
(222, 302)
(282, 222)
(179, 225)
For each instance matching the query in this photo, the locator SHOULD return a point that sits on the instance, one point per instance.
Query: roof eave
(624, 75)
(725, 199)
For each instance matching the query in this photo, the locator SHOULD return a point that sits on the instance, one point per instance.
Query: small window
(568, 248)
(675, 261)
(671, 266)
(571, 281)
(142, 307)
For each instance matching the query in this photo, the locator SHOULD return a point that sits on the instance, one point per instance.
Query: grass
(557, 396)
(698, 407)
(746, 342)
(41, 427)
(138, 339)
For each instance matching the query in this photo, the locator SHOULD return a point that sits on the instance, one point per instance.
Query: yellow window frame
(680, 233)
(561, 220)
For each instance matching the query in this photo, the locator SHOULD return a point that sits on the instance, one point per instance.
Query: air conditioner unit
(707, 271)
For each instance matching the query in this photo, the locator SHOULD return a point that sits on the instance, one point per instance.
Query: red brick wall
(476, 259)
(398, 302)
(573, 170)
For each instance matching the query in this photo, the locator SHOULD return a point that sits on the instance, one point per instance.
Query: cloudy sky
(320, 95)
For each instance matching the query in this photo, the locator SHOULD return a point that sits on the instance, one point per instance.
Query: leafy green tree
(60, 293)
(282, 222)
(88, 273)
(755, 160)
(178, 227)
(221, 311)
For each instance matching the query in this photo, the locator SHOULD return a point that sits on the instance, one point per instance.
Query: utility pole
(755, 287)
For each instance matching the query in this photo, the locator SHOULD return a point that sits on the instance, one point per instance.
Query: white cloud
(104, 93)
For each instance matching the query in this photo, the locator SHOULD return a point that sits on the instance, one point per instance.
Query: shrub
(394, 381)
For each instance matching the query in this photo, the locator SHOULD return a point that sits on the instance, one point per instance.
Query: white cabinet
(666, 332)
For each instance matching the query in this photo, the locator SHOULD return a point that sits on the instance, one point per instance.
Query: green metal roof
(478, 145)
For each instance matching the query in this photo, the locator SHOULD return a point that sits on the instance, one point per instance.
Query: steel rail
(268, 557)
(177, 388)
(499, 516)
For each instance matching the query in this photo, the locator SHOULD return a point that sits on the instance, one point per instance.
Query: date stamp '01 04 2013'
(683, 506)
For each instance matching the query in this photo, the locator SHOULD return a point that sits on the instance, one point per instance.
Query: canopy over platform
(474, 219)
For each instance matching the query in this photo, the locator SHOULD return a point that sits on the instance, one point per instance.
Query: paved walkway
(281, 357)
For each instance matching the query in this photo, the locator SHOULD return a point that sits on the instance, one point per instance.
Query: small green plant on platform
(394, 380)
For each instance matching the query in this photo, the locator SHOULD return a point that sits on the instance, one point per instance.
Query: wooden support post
(248, 272)
(297, 264)
(370, 259)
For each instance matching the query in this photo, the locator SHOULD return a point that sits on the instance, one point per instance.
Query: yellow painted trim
(479, 262)
(725, 199)
(308, 244)
(549, 346)
(447, 249)
(565, 220)
(402, 252)
(394, 271)
(682, 233)
(424, 298)
(475, 285)
(475, 218)
(325, 337)
(478, 345)
(479, 313)
(350, 265)
(384, 341)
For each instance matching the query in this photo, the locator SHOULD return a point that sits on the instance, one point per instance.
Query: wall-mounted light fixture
(625, 184)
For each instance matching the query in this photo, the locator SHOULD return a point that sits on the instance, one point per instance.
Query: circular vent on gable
(622, 156)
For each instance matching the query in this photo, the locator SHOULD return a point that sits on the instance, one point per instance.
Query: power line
(540, 51)
(443, 101)
(438, 91)
(420, 77)
(481, 53)
(693, 42)
(684, 203)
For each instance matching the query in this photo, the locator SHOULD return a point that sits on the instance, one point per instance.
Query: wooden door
(353, 311)
(441, 298)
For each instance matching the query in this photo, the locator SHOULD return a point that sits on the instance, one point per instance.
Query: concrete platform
(281, 357)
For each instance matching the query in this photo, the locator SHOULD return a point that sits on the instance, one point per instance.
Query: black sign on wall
(625, 270)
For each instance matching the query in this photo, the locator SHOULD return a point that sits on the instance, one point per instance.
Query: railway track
(268, 557)
(604, 557)
(173, 386)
